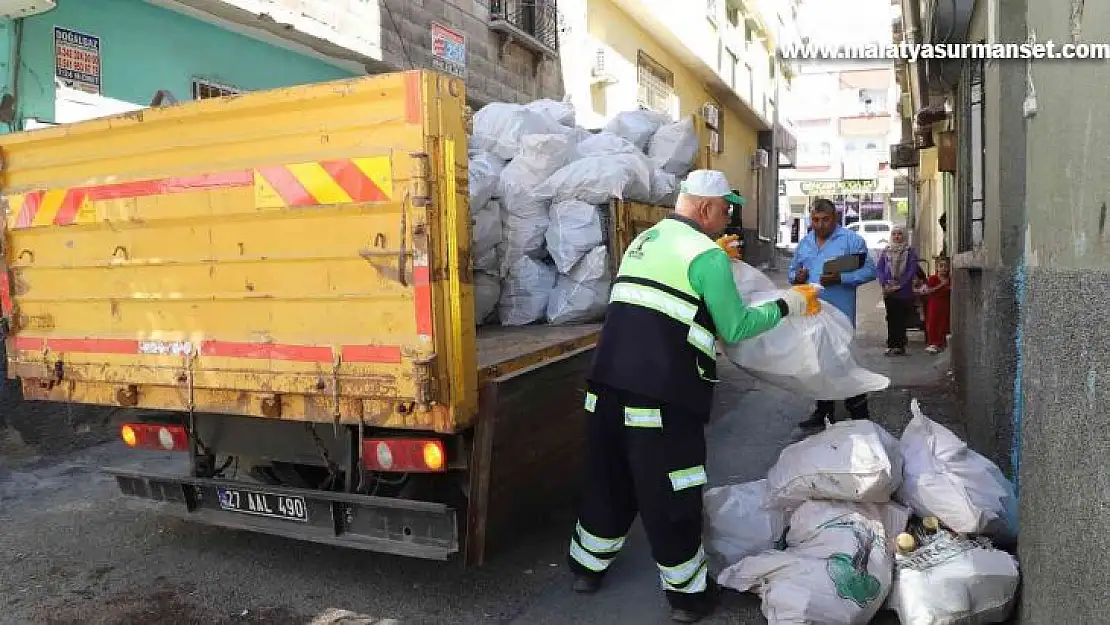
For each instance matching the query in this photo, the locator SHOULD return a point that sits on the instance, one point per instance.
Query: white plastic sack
(540, 156)
(525, 291)
(836, 569)
(562, 112)
(946, 479)
(499, 127)
(484, 171)
(597, 179)
(954, 582)
(522, 236)
(525, 217)
(605, 144)
(575, 229)
(582, 295)
(492, 261)
(812, 356)
(487, 235)
(664, 188)
(636, 126)
(740, 522)
(807, 521)
(849, 461)
(674, 148)
(487, 292)
(581, 135)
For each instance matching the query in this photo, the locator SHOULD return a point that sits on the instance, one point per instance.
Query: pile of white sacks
(816, 540)
(539, 185)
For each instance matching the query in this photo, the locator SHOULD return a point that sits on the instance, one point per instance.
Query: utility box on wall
(946, 151)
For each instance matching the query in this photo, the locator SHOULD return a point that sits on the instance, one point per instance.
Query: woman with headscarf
(896, 270)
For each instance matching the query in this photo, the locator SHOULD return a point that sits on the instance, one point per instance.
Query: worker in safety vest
(651, 388)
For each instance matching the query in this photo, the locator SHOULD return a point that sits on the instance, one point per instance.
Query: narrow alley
(75, 551)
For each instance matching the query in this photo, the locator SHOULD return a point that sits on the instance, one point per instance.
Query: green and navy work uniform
(650, 392)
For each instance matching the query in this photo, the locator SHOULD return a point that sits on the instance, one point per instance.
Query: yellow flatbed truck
(280, 282)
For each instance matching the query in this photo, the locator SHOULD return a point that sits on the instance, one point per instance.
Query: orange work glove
(810, 293)
(730, 243)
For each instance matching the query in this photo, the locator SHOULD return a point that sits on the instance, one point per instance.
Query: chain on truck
(283, 295)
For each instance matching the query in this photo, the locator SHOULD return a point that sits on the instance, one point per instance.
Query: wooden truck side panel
(297, 254)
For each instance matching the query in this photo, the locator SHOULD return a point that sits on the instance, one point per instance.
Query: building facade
(80, 59)
(1025, 224)
(716, 60)
(845, 113)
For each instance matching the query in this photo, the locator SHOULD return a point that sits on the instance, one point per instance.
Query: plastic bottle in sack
(906, 543)
(931, 524)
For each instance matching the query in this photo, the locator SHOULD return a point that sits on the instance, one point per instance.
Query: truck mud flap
(402, 527)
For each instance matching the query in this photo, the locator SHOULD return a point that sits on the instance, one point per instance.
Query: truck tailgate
(299, 254)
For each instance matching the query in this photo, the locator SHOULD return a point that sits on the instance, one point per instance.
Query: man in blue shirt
(825, 241)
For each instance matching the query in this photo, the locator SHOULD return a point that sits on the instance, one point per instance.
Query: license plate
(263, 504)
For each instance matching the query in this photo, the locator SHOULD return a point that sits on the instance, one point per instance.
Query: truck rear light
(152, 436)
(404, 455)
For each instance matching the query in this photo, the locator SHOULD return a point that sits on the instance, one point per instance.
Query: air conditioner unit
(761, 159)
(904, 155)
(598, 74)
(14, 9)
(712, 114)
(715, 142)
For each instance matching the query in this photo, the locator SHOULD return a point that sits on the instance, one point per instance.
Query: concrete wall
(1065, 374)
(491, 77)
(1029, 307)
(145, 48)
(985, 313)
(352, 25)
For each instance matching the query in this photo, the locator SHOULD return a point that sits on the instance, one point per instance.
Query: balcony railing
(533, 24)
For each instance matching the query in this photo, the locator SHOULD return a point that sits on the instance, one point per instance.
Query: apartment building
(845, 114)
(1025, 224)
(66, 60)
(846, 122)
(714, 59)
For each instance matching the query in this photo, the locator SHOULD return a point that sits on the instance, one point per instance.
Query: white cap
(711, 183)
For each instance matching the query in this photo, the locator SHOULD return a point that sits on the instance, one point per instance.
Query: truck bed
(506, 350)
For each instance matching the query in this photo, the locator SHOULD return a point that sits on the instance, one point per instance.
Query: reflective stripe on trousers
(687, 478)
(643, 417)
(688, 577)
(593, 552)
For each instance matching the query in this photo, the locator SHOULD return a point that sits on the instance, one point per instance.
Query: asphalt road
(75, 551)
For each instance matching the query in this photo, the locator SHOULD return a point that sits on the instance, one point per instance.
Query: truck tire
(9, 389)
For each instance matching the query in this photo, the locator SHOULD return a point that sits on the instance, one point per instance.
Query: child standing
(937, 291)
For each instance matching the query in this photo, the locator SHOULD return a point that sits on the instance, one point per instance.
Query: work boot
(586, 585)
(693, 608)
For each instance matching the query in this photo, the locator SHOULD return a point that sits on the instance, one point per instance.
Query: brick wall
(492, 75)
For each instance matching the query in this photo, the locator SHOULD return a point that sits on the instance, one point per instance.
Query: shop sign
(448, 51)
(77, 60)
(838, 187)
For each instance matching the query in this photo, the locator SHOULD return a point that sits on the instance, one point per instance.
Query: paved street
(74, 551)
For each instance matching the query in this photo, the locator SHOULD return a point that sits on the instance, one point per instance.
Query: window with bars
(977, 126)
(656, 85)
(538, 19)
(204, 89)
